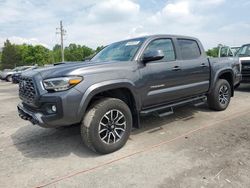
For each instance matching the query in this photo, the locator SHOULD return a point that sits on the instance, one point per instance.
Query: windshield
(244, 51)
(119, 51)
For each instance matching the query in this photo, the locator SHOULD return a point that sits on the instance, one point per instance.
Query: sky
(100, 22)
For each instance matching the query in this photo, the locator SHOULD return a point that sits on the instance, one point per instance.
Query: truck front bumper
(34, 118)
(54, 109)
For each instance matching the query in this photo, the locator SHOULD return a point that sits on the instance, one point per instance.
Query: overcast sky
(94, 23)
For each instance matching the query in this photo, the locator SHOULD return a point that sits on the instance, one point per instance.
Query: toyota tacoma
(126, 79)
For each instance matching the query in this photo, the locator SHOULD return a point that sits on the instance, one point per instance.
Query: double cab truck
(127, 79)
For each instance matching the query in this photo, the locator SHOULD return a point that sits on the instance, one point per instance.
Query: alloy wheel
(112, 126)
(224, 95)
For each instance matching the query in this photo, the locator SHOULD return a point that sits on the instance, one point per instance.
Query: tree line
(13, 55)
(214, 52)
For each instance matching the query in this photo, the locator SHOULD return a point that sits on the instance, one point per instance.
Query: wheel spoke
(106, 116)
(121, 124)
(111, 115)
(113, 136)
(117, 134)
(101, 131)
(105, 136)
(121, 129)
(109, 137)
(105, 125)
(117, 115)
(119, 119)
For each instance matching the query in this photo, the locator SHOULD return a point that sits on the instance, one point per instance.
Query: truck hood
(77, 68)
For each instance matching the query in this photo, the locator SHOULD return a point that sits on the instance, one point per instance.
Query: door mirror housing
(152, 55)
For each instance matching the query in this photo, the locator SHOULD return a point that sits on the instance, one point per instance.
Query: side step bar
(167, 113)
(200, 100)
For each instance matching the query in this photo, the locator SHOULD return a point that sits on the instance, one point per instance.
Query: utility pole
(62, 32)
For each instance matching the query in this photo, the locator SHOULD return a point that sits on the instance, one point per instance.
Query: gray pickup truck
(126, 79)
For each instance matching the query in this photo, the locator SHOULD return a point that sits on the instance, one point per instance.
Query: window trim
(160, 61)
(189, 40)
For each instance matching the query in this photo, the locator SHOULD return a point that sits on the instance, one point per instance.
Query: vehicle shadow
(153, 122)
(36, 142)
(244, 88)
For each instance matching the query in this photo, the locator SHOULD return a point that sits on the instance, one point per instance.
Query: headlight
(62, 83)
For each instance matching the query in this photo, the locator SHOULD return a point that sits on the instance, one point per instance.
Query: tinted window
(244, 51)
(165, 45)
(223, 52)
(189, 49)
(230, 53)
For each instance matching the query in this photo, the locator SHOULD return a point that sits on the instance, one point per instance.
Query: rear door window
(189, 49)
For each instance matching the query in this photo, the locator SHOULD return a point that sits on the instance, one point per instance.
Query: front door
(159, 78)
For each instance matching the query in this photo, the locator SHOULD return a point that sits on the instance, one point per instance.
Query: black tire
(91, 125)
(9, 78)
(216, 101)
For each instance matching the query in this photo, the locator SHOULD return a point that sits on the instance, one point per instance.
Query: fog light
(53, 108)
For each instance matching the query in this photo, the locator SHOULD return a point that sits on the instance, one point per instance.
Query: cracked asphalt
(194, 147)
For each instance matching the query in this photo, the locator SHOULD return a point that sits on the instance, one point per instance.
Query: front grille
(245, 67)
(27, 92)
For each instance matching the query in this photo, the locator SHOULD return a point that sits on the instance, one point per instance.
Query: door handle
(176, 68)
(203, 65)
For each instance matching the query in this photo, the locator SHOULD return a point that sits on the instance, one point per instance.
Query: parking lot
(195, 147)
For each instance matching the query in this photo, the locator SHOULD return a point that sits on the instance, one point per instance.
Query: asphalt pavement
(194, 147)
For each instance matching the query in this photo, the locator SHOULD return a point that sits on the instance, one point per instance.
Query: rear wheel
(106, 126)
(220, 97)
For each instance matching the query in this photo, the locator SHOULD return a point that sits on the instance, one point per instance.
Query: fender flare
(218, 74)
(104, 86)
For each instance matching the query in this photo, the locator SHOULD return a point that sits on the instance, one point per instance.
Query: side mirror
(152, 55)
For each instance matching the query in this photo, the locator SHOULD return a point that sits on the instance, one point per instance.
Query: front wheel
(220, 97)
(106, 126)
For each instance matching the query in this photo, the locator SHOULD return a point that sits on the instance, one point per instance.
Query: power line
(62, 33)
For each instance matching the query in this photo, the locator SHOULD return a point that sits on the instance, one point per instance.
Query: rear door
(195, 73)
